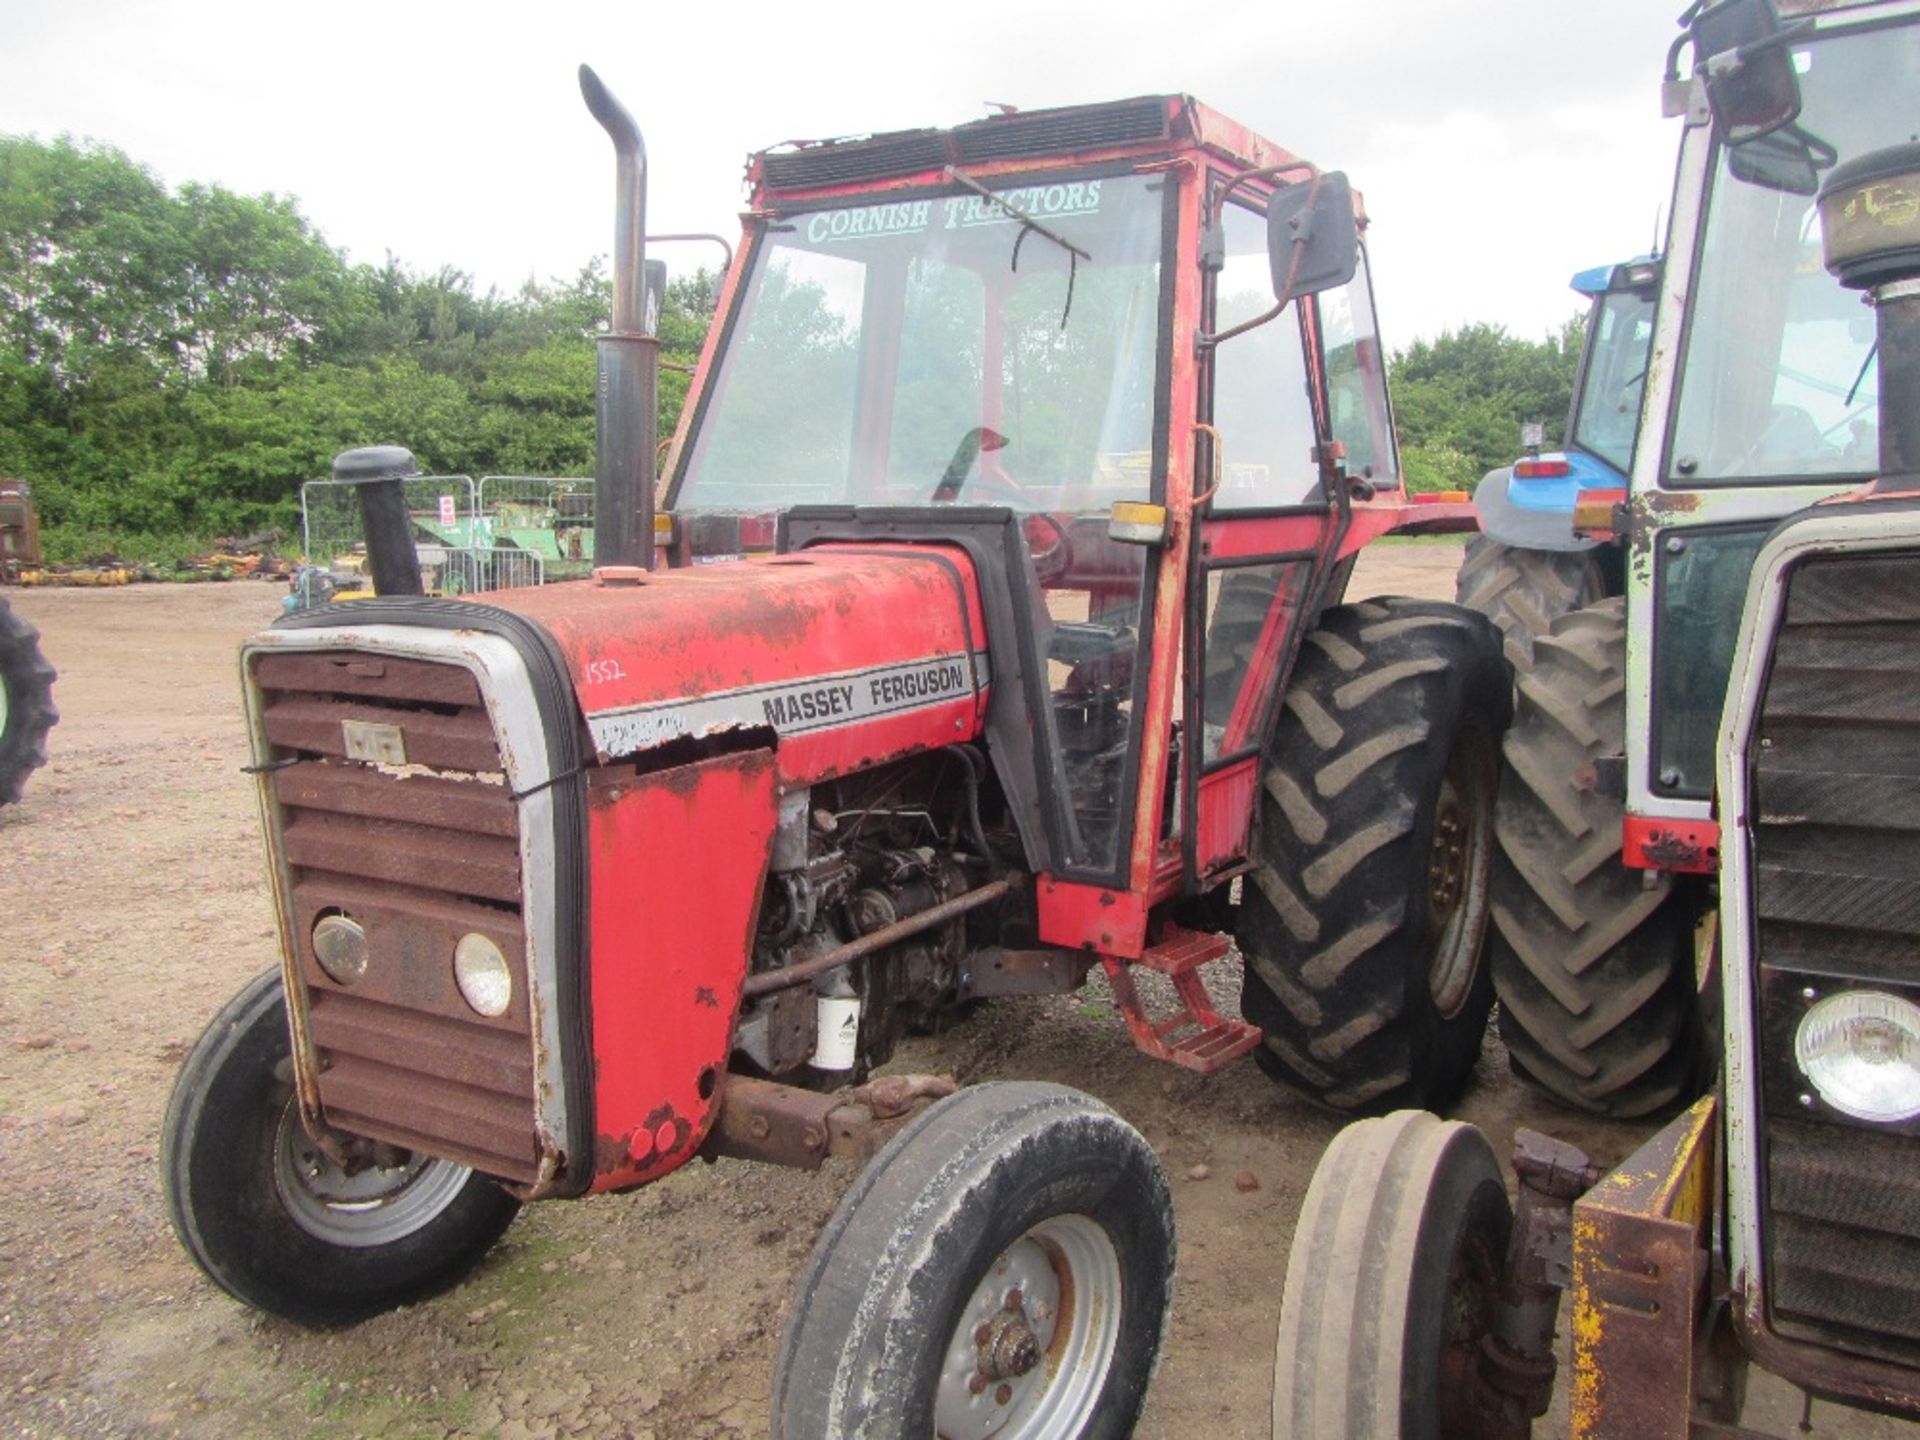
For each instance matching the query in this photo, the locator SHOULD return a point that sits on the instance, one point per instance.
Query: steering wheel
(1050, 550)
(1790, 438)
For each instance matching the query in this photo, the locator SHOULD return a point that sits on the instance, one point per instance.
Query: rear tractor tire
(1599, 1006)
(26, 703)
(274, 1222)
(1392, 1285)
(1002, 1269)
(1524, 591)
(1364, 923)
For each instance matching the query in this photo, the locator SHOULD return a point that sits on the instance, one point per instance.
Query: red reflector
(1541, 469)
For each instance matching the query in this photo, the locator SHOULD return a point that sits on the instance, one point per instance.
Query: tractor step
(1178, 951)
(1197, 1036)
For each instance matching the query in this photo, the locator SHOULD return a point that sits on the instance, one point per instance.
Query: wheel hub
(1029, 1355)
(387, 1198)
(1007, 1347)
(1459, 863)
(1446, 868)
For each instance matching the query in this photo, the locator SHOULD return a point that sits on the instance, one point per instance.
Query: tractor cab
(1014, 329)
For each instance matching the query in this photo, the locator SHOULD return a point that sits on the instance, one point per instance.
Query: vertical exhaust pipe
(626, 401)
(379, 475)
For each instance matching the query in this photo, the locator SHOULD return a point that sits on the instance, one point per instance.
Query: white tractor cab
(1778, 1221)
(1761, 396)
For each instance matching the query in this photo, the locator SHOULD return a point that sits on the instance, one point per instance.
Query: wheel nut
(1003, 1394)
(976, 1382)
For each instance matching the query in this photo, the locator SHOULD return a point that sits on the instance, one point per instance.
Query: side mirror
(1782, 160)
(1312, 238)
(1741, 49)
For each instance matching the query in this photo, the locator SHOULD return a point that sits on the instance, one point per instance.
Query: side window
(1357, 380)
(1260, 402)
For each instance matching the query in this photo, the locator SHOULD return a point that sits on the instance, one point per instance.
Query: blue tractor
(1530, 565)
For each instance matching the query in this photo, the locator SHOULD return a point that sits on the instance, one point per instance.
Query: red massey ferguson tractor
(998, 638)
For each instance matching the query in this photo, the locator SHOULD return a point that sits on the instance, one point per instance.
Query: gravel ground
(134, 905)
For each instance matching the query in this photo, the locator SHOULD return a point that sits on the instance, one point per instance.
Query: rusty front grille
(1836, 852)
(419, 853)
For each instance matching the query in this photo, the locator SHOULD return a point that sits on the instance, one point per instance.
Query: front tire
(26, 704)
(1002, 1269)
(277, 1225)
(1392, 1285)
(1364, 924)
(1593, 962)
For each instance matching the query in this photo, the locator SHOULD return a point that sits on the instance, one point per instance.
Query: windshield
(941, 349)
(1615, 376)
(1777, 379)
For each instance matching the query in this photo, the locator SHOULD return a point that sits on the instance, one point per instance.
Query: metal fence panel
(442, 507)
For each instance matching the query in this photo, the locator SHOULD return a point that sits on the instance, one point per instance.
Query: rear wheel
(1002, 1269)
(26, 703)
(1392, 1285)
(277, 1224)
(1364, 924)
(1593, 961)
(1524, 591)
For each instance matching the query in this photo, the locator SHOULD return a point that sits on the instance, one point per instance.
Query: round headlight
(1861, 1051)
(340, 945)
(481, 972)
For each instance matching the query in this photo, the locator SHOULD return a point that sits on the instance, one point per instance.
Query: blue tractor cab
(1530, 503)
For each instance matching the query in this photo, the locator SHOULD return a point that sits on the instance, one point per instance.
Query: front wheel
(1393, 1284)
(1001, 1271)
(278, 1225)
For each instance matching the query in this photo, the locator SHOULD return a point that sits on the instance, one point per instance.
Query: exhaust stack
(626, 401)
(379, 474)
(1870, 233)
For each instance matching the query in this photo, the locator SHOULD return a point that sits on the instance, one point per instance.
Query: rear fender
(1536, 513)
(677, 864)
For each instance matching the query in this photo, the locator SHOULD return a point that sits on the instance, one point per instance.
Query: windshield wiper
(1074, 253)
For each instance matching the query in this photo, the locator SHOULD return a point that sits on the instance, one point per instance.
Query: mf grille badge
(374, 742)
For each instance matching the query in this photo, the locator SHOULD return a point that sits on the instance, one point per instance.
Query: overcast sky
(1501, 144)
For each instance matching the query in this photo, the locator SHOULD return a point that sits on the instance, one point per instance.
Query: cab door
(1296, 414)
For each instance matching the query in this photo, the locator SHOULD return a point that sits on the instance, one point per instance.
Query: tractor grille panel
(1842, 1270)
(420, 854)
(1836, 850)
(912, 152)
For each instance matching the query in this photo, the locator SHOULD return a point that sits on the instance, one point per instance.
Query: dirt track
(133, 905)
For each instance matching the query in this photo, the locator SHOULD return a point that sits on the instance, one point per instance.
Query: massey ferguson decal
(796, 707)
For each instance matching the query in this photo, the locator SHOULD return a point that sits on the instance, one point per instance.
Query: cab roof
(1143, 127)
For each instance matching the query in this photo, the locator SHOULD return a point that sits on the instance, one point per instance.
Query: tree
(1460, 399)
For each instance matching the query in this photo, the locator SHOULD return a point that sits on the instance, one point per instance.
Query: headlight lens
(1861, 1051)
(481, 972)
(340, 945)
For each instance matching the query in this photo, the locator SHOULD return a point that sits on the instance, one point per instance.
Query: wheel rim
(1458, 866)
(375, 1206)
(1029, 1356)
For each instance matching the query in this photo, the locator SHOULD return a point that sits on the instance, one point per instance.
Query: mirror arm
(1203, 340)
(1267, 172)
